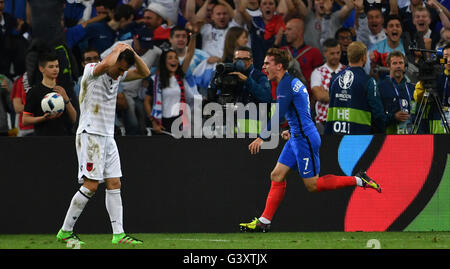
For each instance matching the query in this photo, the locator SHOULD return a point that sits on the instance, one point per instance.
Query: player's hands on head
(122, 47)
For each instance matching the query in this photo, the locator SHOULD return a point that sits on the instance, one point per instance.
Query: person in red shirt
(308, 57)
(18, 98)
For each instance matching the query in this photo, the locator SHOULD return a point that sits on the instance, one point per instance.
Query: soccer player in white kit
(97, 153)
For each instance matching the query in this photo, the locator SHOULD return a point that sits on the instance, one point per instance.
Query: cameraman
(442, 91)
(252, 84)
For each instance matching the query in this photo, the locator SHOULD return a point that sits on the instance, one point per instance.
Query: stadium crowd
(322, 36)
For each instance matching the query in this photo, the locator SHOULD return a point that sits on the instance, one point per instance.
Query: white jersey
(98, 97)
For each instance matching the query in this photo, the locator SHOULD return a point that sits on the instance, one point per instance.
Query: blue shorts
(302, 154)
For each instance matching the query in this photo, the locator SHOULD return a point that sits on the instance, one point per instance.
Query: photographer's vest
(348, 111)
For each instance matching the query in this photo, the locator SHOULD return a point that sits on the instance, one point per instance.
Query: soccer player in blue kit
(301, 151)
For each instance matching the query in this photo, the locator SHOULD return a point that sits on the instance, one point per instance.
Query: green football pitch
(261, 241)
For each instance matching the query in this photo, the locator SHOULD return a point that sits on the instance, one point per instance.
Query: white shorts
(98, 157)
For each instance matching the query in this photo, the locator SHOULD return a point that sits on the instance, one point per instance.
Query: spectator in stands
(370, 30)
(18, 98)
(5, 105)
(445, 38)
(134, 116)
(46, 124)
(172, 90)
(355, 104)
(266, 30)
(155, 18)
(172, 10)
(379, 52)
(89, 55)
(213, 34)
(308, 57)
(424, 37)
(235, 37)
(77, 32)
(102, 35)
(179, 37)
(199, 9)
(397, 95)
(321, 79)
(407, 18)
(344, 37)
(12, 44)
(320, 22)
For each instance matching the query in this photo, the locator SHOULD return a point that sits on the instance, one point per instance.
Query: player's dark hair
(128, 56)
(280, 56)
(45, 57)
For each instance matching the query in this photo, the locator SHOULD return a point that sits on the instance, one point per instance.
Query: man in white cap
(167, 9)
(155, 18)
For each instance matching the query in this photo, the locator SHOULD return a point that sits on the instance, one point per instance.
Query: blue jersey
(301, 152)
(293, 104)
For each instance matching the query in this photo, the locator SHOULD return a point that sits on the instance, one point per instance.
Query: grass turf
(319, 240)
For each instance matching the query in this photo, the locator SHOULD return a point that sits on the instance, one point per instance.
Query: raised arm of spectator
(393, 7)
(442, 11)
(201, 14)
(241, 14)
(287, 8)
(346, 10)
(92, 20)
(300, 8)
(361, 23)
(189, 10)
(190, 49)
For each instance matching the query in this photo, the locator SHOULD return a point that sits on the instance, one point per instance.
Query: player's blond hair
(356, 52)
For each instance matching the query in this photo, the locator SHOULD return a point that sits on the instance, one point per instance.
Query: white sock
(264, 220)
(113, 201)
(359, 181)
(77, 205)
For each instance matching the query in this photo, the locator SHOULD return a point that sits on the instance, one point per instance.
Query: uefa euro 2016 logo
(346, 80)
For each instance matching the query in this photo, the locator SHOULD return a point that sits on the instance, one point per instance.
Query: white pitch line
(194, 239)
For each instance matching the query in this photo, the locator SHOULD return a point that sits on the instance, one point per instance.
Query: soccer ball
(52, 103)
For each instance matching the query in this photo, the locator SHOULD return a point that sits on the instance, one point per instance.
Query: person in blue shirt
(102, 35)
(301, 151)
